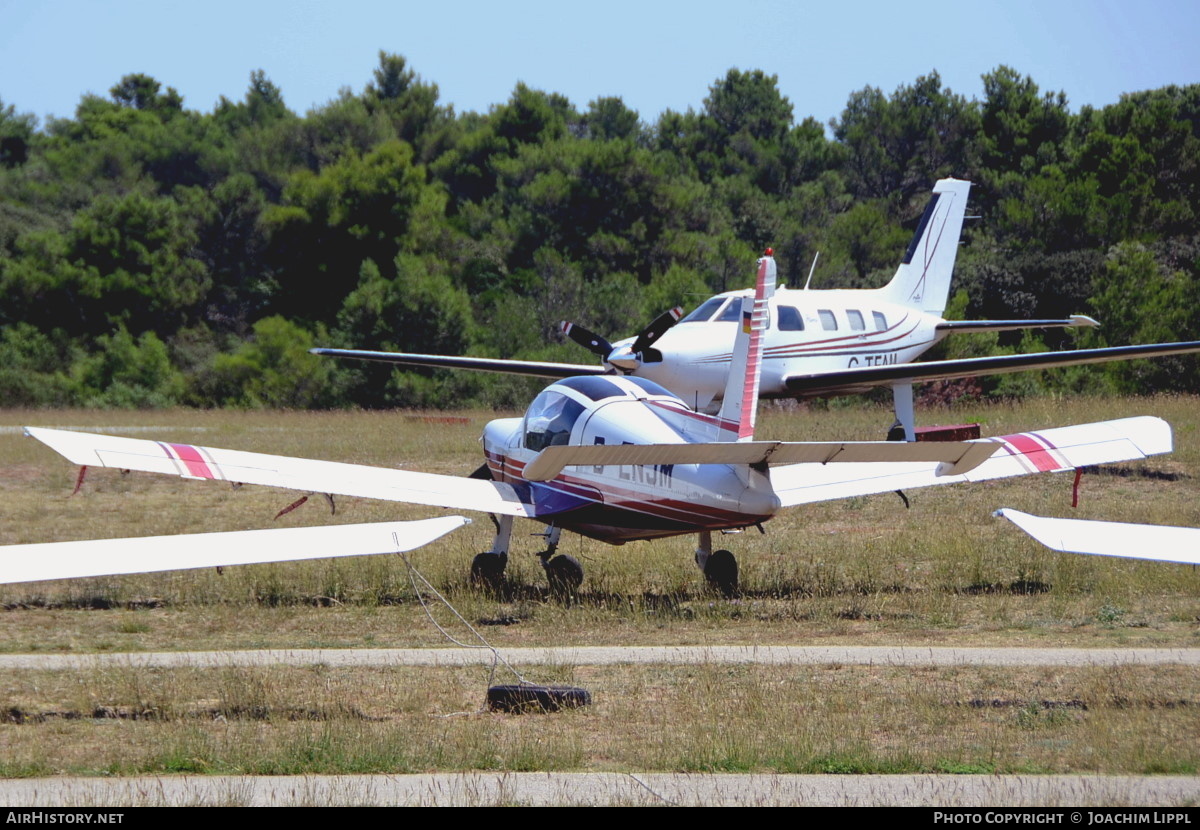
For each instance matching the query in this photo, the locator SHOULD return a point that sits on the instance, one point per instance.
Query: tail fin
(923, 278)
(740, 405)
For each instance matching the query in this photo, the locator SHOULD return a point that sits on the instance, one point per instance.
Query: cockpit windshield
(706, 310)
(717, 310)
(549, 420)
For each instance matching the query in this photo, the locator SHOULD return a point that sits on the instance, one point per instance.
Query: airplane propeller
(591, 341)
(626, 358)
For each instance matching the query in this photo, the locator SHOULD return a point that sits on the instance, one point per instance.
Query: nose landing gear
(564, 573)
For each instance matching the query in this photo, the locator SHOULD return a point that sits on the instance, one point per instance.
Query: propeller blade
(591, 341)
(656, 329)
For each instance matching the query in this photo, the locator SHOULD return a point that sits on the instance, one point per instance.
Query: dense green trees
(152, 255)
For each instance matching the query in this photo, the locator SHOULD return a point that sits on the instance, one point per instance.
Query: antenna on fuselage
(810, 270)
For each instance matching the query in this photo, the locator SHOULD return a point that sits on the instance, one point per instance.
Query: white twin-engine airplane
(614, 458)
(817, 342)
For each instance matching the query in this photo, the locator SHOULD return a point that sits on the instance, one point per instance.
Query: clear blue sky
(654, 54)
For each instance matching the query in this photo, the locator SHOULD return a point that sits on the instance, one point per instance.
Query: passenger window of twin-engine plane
(790, 319)
(549, 420)
(856, 320)
(880, 321)
(828, 321)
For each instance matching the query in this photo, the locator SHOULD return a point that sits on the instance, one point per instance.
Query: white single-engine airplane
(621, 459)
(817, 342)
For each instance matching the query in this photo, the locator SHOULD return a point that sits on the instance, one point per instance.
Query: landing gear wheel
(721, 572)
(487, 570)
(565, 575)
(521, 698)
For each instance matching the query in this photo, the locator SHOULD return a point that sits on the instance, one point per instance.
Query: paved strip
(546, 789)
(614, 655)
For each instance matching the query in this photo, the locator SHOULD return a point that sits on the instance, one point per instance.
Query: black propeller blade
(591, 341)
(656, 329)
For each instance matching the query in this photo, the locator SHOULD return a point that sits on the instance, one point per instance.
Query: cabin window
(880, 321)
(856, 320)
(828, 321)
(549, 420)
(790, 319)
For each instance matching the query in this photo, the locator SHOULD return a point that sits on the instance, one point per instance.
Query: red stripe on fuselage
(720, 423)
(826, 348)
(870, 339)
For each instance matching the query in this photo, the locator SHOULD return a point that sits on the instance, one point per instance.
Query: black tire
(487, 570)
(522, 698)
(721, 572)
(565, 575)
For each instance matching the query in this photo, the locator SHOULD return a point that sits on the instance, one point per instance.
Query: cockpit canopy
(553, 414)
(550, 419)
(730, 311)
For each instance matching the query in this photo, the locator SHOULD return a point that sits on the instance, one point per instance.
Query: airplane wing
(188, 461)
(956, 456)
(148, 554)
(1073, 322)
(1045, 451)
(862, 378)
(534, 368)
(1159, 543)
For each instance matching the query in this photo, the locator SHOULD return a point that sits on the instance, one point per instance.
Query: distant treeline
(153, 255)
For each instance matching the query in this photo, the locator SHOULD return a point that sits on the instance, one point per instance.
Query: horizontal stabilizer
(1160, 543)
(533, 368)
(858, 379)
(958, 456)
(189, 461)
(148, 554)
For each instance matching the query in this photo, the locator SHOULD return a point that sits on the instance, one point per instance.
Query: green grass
(831, 719)
(863, 571)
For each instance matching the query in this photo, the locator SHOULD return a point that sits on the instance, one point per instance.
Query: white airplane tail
(923, 279)
(739, 407)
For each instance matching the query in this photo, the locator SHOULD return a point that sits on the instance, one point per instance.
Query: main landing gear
(487, 569)
(564, 573)
(720, 567)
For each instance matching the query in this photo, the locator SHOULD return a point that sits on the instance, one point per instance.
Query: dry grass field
(860, 572)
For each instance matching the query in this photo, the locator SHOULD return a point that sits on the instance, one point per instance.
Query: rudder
(923, 279)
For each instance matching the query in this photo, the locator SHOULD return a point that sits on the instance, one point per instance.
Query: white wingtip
(1159, 543)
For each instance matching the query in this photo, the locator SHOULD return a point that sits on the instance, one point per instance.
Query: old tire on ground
(565, 575)
(721, 572)
(518, 698)
(487, 570)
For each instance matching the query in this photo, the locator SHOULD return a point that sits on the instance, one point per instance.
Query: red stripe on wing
(195, 463)
(1034, 451)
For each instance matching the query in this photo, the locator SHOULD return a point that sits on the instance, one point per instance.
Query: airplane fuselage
(809, 332)
(621, 503)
